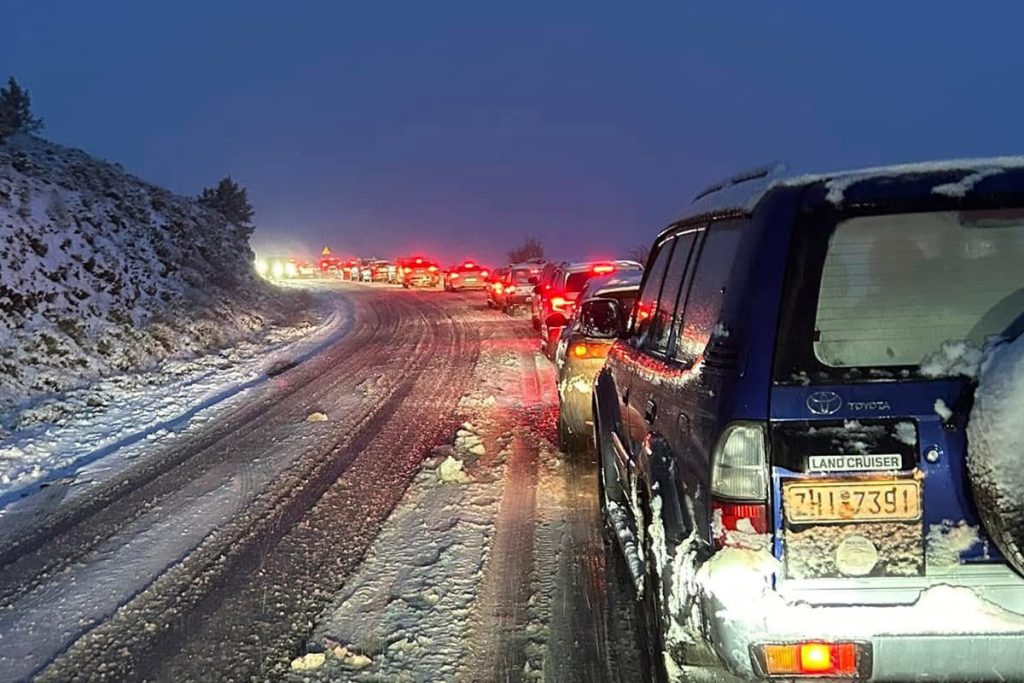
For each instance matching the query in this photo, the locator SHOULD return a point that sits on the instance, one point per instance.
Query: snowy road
(238, 547)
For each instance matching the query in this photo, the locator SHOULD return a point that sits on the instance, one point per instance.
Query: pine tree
(16, 111)
(231, 200)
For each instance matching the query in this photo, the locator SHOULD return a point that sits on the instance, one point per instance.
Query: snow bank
(102, 273)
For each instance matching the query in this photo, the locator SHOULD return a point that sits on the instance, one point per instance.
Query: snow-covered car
(421, 272)
(581, 352)
(811, 433)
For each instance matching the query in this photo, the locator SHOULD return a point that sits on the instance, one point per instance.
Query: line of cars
(791, 458)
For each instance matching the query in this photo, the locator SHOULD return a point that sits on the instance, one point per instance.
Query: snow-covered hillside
(103, 273)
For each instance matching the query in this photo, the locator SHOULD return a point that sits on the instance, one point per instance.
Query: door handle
(650, 411)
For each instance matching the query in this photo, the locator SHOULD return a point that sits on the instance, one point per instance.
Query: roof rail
(757, 173)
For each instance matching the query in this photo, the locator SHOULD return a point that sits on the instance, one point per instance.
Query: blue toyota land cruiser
(782, 428)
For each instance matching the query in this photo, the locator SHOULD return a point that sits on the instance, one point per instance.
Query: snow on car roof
(742, 192)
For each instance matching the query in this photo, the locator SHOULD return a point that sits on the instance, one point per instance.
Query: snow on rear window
(895, 287)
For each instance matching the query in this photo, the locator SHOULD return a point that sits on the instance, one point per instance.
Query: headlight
(290, 270)
(261, 267)
(277, 270)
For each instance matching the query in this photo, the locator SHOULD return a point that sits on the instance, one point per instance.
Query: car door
(634, 386)
(703, 362)
(655, 415)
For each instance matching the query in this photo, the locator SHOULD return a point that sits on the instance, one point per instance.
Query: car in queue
(558, 301)
(792, 452)
(380, 270)
(516, 290)
(419, 271)
(581, 353)
(495, 286)
(465, 276)
(542, 290)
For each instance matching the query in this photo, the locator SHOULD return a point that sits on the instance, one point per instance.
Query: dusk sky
(459, 128)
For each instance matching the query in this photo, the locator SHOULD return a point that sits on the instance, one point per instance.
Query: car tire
(992, 432)
(571, 445)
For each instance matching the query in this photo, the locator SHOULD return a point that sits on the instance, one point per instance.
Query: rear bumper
(949, 632)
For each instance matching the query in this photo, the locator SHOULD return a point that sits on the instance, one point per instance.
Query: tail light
(603, 269)
(407, 269)
(583, 350)
(419, 261)
(511, 289)
(454, 276)
(469, 264)
(432, 269)
(818, 659)
(498, 288)
(558, 302)
(739, 478)
(484, 273)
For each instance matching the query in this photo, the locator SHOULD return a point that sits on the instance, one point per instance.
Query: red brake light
(419, 260)
(484, 273)
(408, 269)
(498, 287)
(603, 269)
(558, 302)
(453, 275)
(469, 264)
(432, 269)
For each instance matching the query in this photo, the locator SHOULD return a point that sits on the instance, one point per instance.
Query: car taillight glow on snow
(839, 660)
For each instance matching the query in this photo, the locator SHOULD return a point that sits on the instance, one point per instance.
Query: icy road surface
(427, 529)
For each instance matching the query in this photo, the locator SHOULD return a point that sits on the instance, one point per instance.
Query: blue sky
(459, 128)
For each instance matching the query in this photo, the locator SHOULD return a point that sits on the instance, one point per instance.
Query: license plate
(852, 501)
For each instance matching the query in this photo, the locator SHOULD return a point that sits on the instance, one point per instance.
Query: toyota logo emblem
(824, 403)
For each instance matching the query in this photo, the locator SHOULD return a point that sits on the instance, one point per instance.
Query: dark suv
(791, 453)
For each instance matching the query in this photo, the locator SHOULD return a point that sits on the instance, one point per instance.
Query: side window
(707, 293)
(647, 302)
(661, 324)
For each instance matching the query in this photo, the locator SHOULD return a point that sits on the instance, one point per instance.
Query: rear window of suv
(894, 289)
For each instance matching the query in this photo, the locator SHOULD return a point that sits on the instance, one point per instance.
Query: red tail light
(408, 269)
(469, 264)
(558, 302)
(453, 276)
(484, 273)
(419, 261)
(510, 289)
(432, 269)
(498, 287)
(604, 269)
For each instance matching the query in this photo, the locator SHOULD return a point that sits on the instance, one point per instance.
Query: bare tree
(529, 249)
(639, 253)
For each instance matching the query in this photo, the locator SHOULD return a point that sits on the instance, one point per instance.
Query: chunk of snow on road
(308, 662)
(451, 472)
(966, 184)
(317, 417)
(943, 410)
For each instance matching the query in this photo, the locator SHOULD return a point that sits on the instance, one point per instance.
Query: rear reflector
(818, 659)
